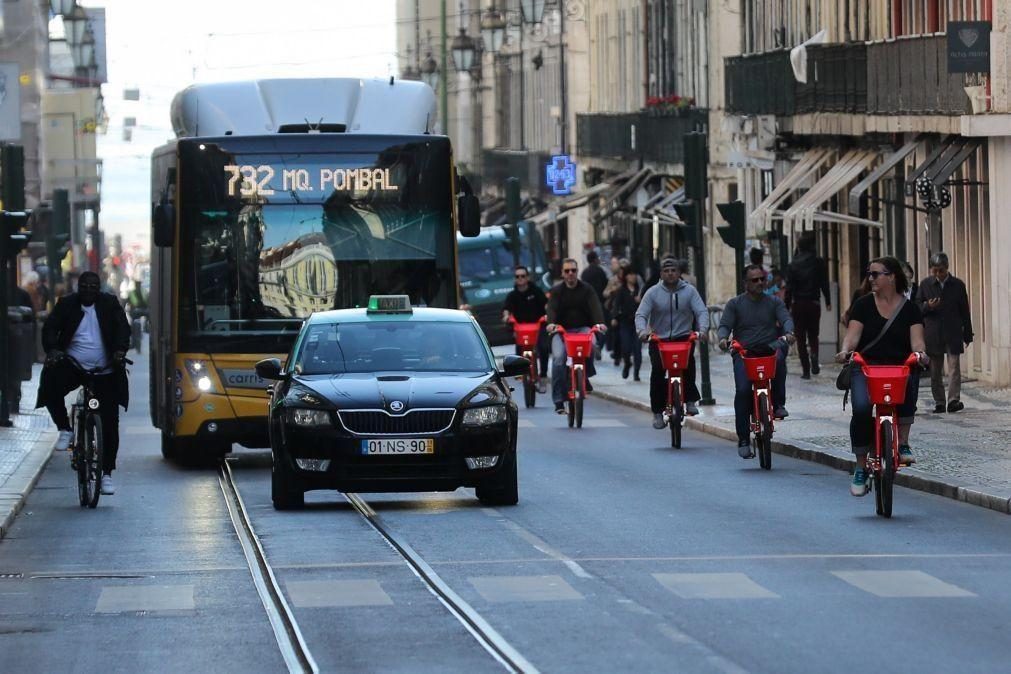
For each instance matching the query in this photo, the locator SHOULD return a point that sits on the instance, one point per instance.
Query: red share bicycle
(761, 370)
(526, 335)
(579, 348)
(675, 357)
(886, 387)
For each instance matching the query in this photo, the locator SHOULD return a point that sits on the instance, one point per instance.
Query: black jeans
(658, 385)
(806, 320)
(630, 346)
(65, 379)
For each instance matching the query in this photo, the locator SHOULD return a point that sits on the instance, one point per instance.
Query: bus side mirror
(468, 209)
(164, 222)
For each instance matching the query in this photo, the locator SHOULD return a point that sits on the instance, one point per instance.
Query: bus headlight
(484, 416)
(199, 371)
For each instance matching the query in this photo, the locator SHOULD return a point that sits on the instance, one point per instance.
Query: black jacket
(576, 307)
(948, 326)
(526, 306)
(61, 325)
(595, 275)
(805, 278)
(625, 303)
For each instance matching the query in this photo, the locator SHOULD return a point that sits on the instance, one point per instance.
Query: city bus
(279, 198)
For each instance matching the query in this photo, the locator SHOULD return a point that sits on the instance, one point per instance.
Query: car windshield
(407, 346)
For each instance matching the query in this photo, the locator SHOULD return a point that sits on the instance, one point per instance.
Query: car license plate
(398, 446)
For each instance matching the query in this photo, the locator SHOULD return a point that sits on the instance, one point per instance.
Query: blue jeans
(861, 427)
(559, 371)
(742, 396)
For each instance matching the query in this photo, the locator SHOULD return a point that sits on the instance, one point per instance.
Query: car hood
(378, 390)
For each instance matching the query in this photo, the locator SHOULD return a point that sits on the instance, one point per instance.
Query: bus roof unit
(334, 105)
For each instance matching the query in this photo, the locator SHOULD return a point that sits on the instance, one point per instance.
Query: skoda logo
(397, 406)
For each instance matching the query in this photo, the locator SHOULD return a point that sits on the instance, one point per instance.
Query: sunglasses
(519, 276)
(873, 275)
(756, 280)
(569, 271)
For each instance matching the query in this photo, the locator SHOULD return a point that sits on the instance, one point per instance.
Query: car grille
(414, 422)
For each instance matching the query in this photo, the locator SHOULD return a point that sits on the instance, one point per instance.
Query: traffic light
(696, 166)
(58, 241)
(688, 231)
(12, 172)
(14, 240)
(733, 234)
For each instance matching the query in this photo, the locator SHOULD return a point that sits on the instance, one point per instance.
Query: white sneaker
(108, 487)
(63, 441)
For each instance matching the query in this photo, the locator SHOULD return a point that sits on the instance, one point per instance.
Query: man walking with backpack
(806, 277)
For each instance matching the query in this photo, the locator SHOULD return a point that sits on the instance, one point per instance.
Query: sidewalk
(965, 456)
(24, 451)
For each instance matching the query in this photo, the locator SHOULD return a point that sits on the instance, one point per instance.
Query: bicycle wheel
(79, 463)
(529, 391)
(765, 425)
(885, 478)
(571, 404)
(677, 415)
(93, 455)
(580, 398)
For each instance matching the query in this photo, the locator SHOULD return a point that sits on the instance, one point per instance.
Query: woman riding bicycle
(885, 312)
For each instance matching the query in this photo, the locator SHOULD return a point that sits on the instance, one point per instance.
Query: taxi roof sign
(389, 304)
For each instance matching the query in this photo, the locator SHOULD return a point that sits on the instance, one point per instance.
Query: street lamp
(533, 10)
(75, 24)
(84, 51)
(61, 7)
(430, 71)
(464, 50)
(493, 28)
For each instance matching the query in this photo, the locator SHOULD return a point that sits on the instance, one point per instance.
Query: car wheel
(285, 491)
(503, 489)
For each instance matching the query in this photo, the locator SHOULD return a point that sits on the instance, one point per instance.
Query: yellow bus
(253, 232)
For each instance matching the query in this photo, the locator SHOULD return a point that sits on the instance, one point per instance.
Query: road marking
(148, 598)
(713, 586)
(523, 588)
(336, 593)
(901, 584)
(525, 423)
(540, 544)
(603, 423)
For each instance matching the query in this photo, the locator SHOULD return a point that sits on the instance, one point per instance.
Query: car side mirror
(163, 221)
(515, 366)
(269, 368)
(468, 210)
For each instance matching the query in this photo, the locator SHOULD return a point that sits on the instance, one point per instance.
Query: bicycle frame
(761, 370)
(675, 357)
(579, 347)
(886, 387)
(526, 336)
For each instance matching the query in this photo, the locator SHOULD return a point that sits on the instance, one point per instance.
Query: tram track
(291, 643)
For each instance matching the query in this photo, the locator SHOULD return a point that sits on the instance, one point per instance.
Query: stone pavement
(25, 449)
(966, 456)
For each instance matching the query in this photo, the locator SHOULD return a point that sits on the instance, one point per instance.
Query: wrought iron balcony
(652, 137)
(907, 76)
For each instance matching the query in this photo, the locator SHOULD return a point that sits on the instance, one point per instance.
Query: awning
(877, 174)
(944, 171)
(663, 207)
(947, 148)
(620, 193)
(767, 211)
(807, 209)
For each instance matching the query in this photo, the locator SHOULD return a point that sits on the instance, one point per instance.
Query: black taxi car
(388, 399)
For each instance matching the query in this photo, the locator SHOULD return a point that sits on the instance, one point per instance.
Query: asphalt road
(623, 554)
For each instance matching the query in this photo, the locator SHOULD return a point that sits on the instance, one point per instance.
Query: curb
(16, 489)
(908, 477)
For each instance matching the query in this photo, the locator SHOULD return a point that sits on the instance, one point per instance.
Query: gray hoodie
(672, 313)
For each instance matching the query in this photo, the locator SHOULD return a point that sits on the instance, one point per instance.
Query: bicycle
(579, 348)
(675, 357)
(86, 449)
(761, 370)
(886, 388)
(526, 335)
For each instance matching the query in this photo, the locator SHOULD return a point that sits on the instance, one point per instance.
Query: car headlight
(484, 416)
(309, 418)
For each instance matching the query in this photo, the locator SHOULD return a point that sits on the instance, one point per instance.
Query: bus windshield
(270, 238)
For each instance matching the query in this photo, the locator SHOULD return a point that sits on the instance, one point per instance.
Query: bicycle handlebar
(559, 330)
(911, 360)
(692, 337)
(98, 370)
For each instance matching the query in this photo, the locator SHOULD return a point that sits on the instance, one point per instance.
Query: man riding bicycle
(574, 305)
(671, 309)
(760, 323)
(91, 327)
(527, 303)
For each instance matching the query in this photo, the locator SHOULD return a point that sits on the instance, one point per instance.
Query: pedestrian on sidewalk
(947, 326)
(670, 310)
(90, 326)
(884, 328)
(528, 304)
(611, 339)
(758, 321)
(806, 277)
(625, 303)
